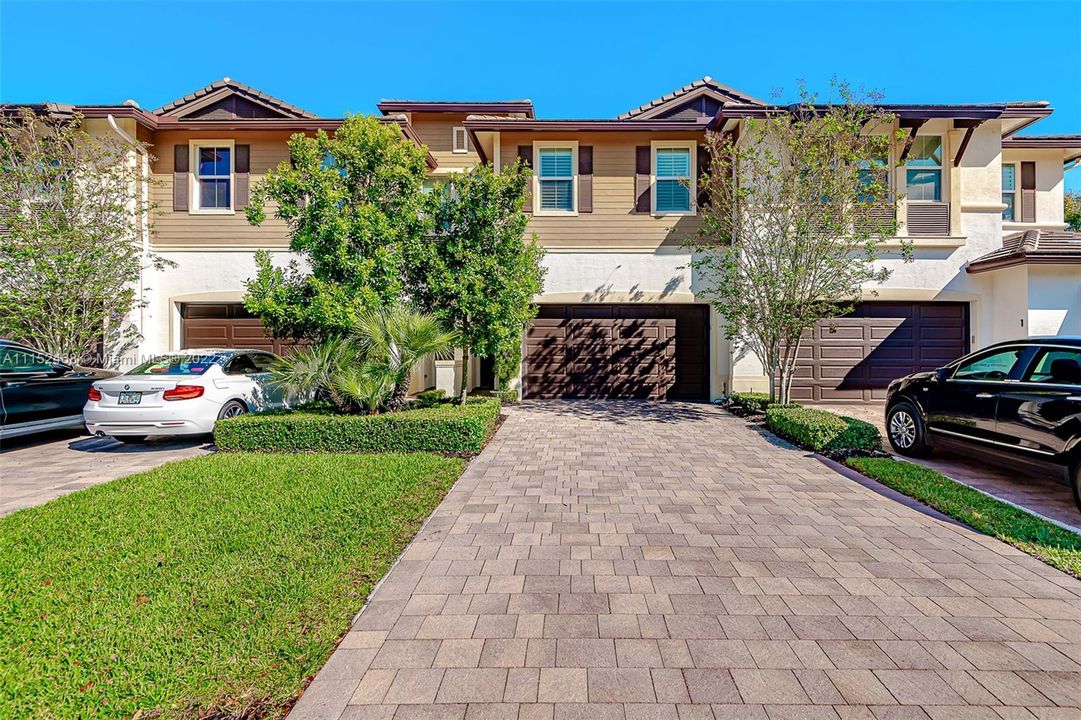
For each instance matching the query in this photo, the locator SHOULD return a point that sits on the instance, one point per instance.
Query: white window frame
(941, 167)
(454, 135)
(692, 147)
(1016, 189)
(193, 187)
(539, 145)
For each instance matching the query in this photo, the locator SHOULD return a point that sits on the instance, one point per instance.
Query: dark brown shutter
(180, 178)
(585, 178)
(704, 158)
(1028, 192)
(642, 170)
(241, 168)
(525, 154)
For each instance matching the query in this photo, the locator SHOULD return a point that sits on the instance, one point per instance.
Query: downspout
(144, 181)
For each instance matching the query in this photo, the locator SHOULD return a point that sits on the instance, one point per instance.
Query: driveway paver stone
(632, 561)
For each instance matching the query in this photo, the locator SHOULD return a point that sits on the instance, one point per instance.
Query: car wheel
(130, 439)
(905, 430)
(232, 409)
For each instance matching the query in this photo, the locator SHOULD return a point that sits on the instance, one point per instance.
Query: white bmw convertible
(182, 394)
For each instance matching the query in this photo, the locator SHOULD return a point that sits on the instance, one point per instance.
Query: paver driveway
(40, 468)
(608, 561)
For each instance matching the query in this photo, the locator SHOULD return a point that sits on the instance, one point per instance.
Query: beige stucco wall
(1050, 187)
(1054, 300)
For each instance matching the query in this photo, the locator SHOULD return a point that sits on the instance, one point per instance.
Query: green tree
(72, 219)
(1073, 210)
(477, 272)
(352, 201)
(796, 210)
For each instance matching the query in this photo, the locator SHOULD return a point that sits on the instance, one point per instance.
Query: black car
(1018, 403)
(39, 392)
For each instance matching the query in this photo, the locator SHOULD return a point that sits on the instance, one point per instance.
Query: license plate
(130, 398)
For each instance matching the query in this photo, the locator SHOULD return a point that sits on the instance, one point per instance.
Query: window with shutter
(556, 169)
(213, 177)
(673, 173)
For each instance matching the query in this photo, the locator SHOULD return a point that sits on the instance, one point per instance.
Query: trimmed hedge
(821, 430)
(750, 401)
(448, 428)
(754, 402)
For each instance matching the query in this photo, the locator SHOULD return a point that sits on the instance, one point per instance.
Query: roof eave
(1022, 259)
(584, 125)
(508, 106)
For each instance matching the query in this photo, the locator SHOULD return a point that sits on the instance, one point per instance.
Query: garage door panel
(950, 311)
(891, 332)
(894, 340)
(832, 352)
(840, 333)
(226, 325)
(624, 351)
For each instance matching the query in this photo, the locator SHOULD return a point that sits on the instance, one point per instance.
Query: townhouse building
(621, 314)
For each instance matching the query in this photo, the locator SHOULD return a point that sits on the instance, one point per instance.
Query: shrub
(507, 395)
(750, 401)
(754, 402)
(448, 428)
(821, 430)
(431, 398)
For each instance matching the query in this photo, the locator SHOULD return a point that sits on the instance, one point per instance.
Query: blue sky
(573, 59)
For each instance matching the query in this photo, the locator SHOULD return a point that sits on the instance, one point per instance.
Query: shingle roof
(1031, 246)
(706, 83)
(269, 100)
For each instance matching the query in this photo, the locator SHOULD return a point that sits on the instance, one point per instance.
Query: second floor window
(673, 179)
(459, 140)
(214, 177)
(923, 171)
(555, 178)
(874, 176)
(1009, 192)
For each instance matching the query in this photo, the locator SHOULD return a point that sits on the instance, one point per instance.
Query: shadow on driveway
(151, 445)
(622, 411)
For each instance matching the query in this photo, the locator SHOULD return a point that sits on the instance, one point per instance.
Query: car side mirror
(942, 374)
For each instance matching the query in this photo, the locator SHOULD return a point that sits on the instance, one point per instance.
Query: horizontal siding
(268, 150)
(434, 130)
(613, 222)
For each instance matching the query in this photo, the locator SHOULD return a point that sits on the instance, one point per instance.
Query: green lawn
(1055, 546)
(208, 587)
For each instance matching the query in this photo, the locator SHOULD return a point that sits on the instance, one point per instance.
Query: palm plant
(370, 369)
(317, 370)
(398, 338)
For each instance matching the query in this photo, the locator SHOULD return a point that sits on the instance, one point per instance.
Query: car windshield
(177, 365)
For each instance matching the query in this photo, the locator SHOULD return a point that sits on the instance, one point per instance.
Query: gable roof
(1031, 247)
(222, 89)
(704, 86)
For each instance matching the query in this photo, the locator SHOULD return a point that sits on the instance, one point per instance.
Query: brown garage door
(874, 344)
(618, 351)
(224, 325)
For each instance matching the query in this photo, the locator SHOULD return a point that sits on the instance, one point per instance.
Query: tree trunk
(465, 375)
(396, 401)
